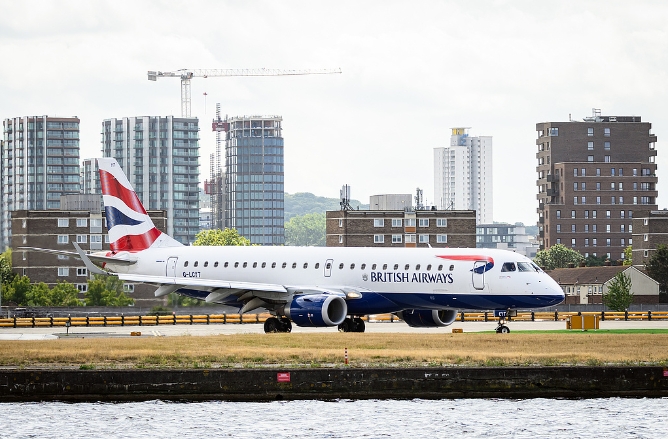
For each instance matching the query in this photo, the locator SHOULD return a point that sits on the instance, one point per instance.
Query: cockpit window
(524, 266)
(536, 267)
(508, 266)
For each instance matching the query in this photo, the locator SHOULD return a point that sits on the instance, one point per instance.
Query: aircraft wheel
(359, 325)
(286, 325)
(503, 329)
(347, 326)
(271, 325)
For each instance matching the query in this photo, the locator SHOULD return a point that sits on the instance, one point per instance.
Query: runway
(47, 333)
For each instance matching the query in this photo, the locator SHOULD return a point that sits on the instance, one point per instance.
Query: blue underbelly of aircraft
(379, 303)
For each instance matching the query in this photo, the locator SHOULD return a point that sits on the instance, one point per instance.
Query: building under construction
(247, 194)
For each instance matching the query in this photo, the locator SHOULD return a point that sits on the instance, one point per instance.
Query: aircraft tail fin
(130, 227)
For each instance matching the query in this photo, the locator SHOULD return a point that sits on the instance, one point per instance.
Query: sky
(411, 71)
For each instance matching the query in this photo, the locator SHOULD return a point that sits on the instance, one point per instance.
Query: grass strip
(524, 348)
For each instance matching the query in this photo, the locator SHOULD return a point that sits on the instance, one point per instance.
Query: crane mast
(186, 75)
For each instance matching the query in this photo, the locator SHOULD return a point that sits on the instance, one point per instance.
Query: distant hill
(302, 203)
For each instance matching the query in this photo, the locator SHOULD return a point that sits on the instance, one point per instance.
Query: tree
(18, 290)
(618, 296)
(106, 291)
(558, 256)
(6, 275)
(595, 261)
(657, 267)
(306, 230)
(39, 295)
(65, 294)
(628, 255)
(220, 237)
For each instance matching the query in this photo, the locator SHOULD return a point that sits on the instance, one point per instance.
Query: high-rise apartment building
(160, 156)
(463, 174)
(254, 178)
(592, 176)
(40, 162)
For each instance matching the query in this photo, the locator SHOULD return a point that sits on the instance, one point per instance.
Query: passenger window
(285, 264)
(407, 266)
(396, 267)
(206, 264)
(417, 267)
(384, 266)
(195, 264)
(352, 266)
(328, 266)
(341, 266)
(440, 267)
(236, 265)
(294, 265)
(429, 267)
(305, 264)
(226, 264)
(215, 264)
(185, 264)
(317, 265)
(245, 264)
(273, 265)
(264, 264)
(452, 267)
(254, 264)
(508, 266)
(373, 267)
(362, 267)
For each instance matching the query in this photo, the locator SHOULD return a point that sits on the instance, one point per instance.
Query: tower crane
(186, 75)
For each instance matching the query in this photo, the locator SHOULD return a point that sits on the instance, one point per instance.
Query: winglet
(92, 268)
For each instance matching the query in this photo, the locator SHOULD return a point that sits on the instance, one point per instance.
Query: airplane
(315, 286)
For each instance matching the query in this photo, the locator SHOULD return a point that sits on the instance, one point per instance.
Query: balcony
(552, 192)
(552, 178)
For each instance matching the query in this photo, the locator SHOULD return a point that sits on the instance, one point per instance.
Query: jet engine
(316, 310)
(428, 318)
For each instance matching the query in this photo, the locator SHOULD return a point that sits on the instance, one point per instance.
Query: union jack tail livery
(130, 227)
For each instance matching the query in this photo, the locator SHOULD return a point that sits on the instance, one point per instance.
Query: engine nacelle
(428, 318)
(317, 310)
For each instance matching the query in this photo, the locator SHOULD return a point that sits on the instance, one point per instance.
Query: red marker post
(345, 355)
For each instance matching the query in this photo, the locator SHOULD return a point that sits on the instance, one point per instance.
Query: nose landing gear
(502, 315)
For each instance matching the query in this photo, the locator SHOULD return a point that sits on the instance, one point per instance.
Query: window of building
(606, 146)
(558, 240)
(645, 237)
(586, 228)
(593, 214)
(63, 271)
(572, 242)
(612, 200)
(63, 222)
(379, 222)
(575, 200)
(554, 132)
(593, 242)
(575, 186)
(61, 257)
(82, 272)
(612, 172)
(82, 239)
(590, 146)
(442, 239)
(621, 200)
(586, 214)
(607, 228)
(558, 214)
(575, 172)
(590, 132)
(558, 228)
(340, 239)
(572, 214)
(593, 228)
(621, 172)
(82, 222)
(622, 242)
(410, 239)
(396, 239)
(340, 222)
(622, 228)
(606, 132)
(635, 172)
(606, 159)
(645, 253)
(129, 288)
(590, 158)
(441, 222)
(583, 186)
(424, 239)
(607, 242)
(598, 172)
(572, 228)
(423, 222)
(607, 214)
(409, 222)
(63, 239)
(586, 242)
(378, 239)
(82, 288)
(598, 200)
(397, 222)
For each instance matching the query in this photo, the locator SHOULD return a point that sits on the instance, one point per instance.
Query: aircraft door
(479, 274)
(171, 267)
(328, 267)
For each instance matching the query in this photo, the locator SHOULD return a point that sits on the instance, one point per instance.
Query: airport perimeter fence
(208, 319)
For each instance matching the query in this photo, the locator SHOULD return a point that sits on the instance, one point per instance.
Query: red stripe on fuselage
(111, 186)
(135, 242)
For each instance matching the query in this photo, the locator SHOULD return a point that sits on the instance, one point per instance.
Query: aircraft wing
(101, 259)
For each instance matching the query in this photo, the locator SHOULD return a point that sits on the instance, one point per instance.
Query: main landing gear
(274, 324)
(355, 324)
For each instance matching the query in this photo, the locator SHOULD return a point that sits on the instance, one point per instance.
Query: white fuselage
(392, 278)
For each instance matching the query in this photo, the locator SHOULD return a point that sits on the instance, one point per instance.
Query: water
(554, 418)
